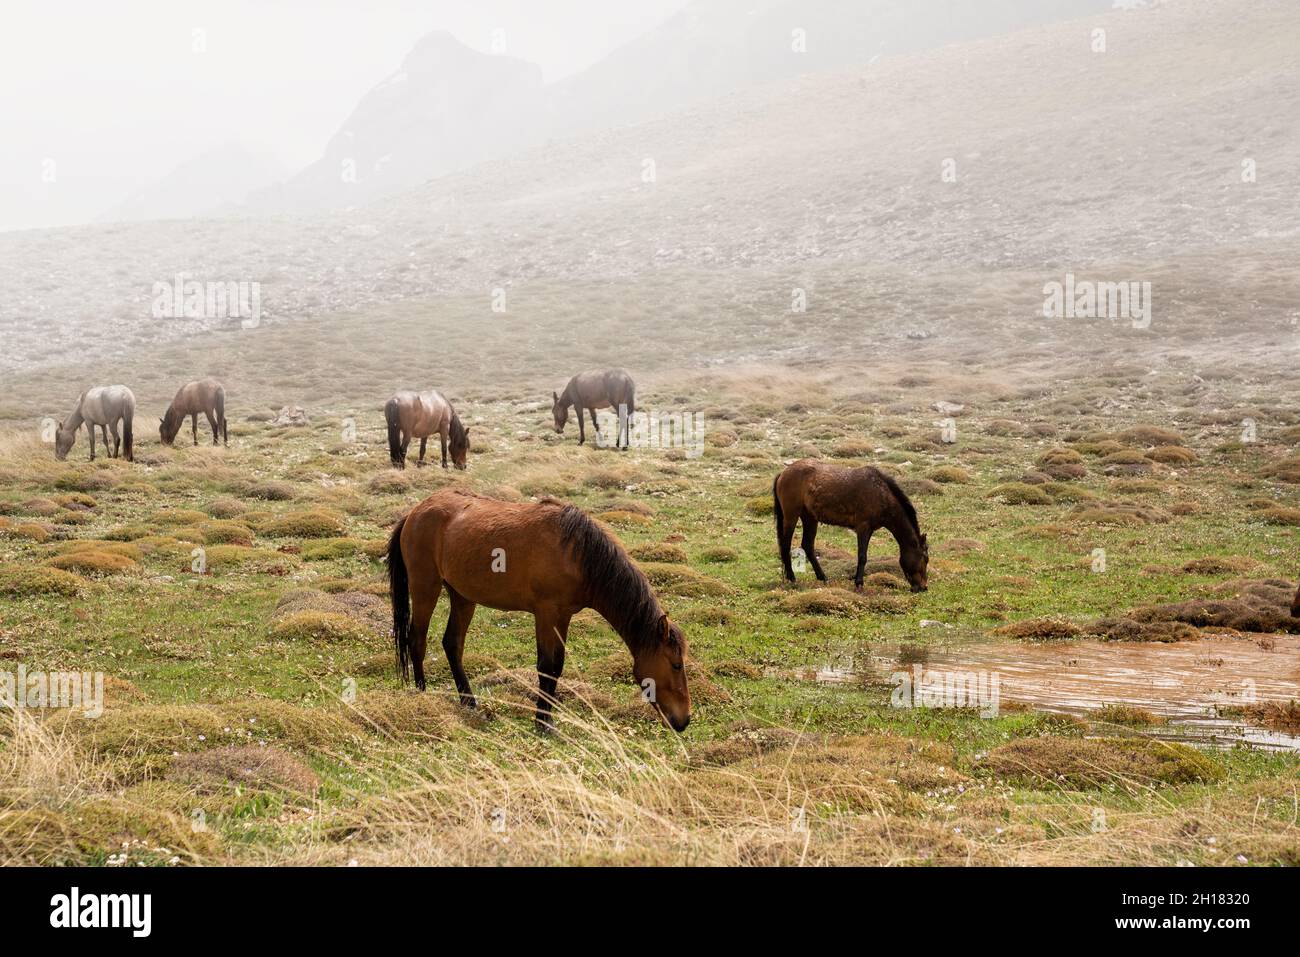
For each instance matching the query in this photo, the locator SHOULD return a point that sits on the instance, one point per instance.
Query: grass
(259, 691)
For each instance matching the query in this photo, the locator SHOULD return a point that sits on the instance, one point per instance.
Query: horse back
(505, 555)
(832, 495)
(598, 388)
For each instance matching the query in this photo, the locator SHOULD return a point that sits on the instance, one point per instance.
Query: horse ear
(555, 396)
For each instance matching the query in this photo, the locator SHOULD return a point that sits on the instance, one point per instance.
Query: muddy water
(1189, 684)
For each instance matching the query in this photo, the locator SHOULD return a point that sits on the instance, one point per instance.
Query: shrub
(330, 548)
(93, 562)
(227, 533)
(313, 523)
(1020, 493)
(659, 552)
(317, 626)
(719, 554)
(950, 474)
(24, 581)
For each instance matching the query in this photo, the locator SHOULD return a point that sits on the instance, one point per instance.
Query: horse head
(660, 670)
(915, 559)
(560, 411)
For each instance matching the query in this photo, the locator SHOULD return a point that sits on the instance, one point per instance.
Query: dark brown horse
(207, 396)
(420, 415)
(863, 499)
(546, 558)
(1295, 604)
(609, 389)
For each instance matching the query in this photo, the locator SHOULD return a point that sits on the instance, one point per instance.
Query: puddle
(1187, 683)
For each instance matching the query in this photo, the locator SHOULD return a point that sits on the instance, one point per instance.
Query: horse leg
(864, 539)
(809, 545)
(216, 430)
(785, 536)
(419, 463)
(108, 448)
(425, 590)
(117, 442)
(91, 430)
(443, 437)
(453, 643)
(595, 424)
(406, 443)
(552, 631)
(582, 429)
(194, 426)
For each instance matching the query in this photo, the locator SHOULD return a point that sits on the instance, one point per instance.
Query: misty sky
(116, 95)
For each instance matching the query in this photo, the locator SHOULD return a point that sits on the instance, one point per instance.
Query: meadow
(253, 713)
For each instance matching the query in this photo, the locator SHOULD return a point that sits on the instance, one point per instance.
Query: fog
(119, 95)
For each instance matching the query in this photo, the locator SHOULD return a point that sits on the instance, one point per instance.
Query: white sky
(113, 92)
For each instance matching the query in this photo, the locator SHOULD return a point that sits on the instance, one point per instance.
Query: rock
(291, 415)
(948, 408)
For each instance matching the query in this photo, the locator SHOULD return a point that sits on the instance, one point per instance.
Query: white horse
(102, 406)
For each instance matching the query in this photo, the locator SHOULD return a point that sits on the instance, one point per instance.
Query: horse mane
(457, 429)
(908, 508)
(623, 593)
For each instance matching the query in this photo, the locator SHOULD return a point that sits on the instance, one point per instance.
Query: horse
(102, 406)
(610, 389)
(546, 558)
(1295, 604)
(863, 499)
(207, 396)
(420, 415)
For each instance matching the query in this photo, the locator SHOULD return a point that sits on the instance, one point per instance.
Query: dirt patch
(245, 766)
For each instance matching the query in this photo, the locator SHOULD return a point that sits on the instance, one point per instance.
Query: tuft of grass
(93, 562)
(21, 581)
(1131, 764)
(1020, 493)
(317, 626)
(1040, 629)
(311, 523)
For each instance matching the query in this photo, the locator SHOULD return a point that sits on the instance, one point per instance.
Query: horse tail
(400, 586)
(128, 442)
(393, 415)
(780, 518)
(221, 415)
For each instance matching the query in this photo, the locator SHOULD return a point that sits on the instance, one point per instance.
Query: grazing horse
(611, 389)
(207, 396)
(863, 499)
(420, 415)
(102, 406)
(546, 558)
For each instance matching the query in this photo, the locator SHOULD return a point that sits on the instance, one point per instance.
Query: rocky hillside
(936, 183)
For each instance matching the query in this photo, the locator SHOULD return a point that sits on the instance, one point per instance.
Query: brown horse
(546, 558)
(207, 396)
(610, 389)
(863, 499)
(420, 415)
